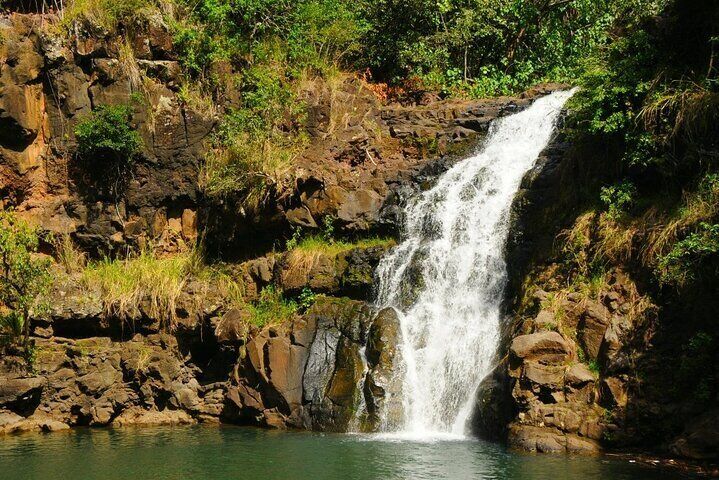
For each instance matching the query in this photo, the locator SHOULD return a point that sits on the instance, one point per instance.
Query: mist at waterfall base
(446, 279)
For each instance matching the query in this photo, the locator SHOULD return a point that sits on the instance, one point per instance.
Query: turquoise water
(208, 453)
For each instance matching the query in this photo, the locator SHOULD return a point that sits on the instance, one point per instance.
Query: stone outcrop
(312, 373)
(95, 381)
(362, 165)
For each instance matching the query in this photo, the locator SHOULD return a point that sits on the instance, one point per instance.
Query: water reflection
(208, 453)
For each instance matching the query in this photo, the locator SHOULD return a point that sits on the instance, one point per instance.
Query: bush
(108, 145)
(24, 278)
(691, 257)
(619, 198)
(106, 135)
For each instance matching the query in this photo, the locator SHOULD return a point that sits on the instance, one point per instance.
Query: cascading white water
(452, 254)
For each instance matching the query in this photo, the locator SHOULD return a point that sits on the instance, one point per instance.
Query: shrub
(619, 198)
(106, 135)
(24, 277)
(692, 256)
(108, 145)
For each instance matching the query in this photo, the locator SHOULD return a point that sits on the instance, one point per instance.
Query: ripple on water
(209, 453)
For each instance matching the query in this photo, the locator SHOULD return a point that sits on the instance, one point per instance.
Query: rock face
(47, 85)
(358, 172)
(98, 381)
(551, 394)
(590, 364)
(312, 373)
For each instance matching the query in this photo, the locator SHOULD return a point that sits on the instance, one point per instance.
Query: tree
(25, 276)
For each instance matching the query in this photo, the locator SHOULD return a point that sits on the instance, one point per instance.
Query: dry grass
(107, 13)
(691, 107)
(151, 285)
(251, 167)
(303, 257)
(156, 283)
(615, 241)
(71, 258)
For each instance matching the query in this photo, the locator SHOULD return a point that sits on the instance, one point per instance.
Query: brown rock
(548, 440)
(234, 326)
(548, 347)
(579, 374)
(549, 376)
(15, 390)
(613, 392)
(545, 320)
(593, 324)
(189, 224)
(301, 216)
(140, 416)
(700, 439)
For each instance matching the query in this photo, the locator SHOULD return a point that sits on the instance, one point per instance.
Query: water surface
(209, 453)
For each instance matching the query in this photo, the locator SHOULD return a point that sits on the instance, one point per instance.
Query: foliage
(272, 307)
(106, 135)
(25, 277)
(696, 253)
(618, 198)
(306, 299)
(650, 99)
(696, 372)
(488, 47)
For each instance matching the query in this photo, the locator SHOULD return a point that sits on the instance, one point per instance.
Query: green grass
(272, 307)
(319, 243)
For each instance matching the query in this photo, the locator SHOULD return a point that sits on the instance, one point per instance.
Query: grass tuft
(126, 284)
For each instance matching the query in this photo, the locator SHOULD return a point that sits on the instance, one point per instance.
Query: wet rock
(138, 416)
(546, 440)
(494, 407)
(700, 439)
(383, 386)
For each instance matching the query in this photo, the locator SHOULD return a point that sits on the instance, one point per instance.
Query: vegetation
(106, 135)
(108, 145)
(255, 58)
(149, 284)
(25, 278)
(272, 307)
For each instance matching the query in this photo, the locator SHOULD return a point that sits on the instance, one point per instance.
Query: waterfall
(447, 277)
